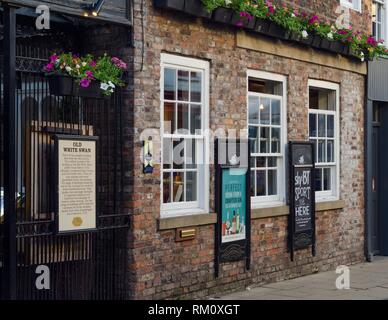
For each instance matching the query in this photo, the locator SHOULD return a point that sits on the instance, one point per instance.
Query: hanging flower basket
(61, 85)
(223, 15)
(196, 8)
(261, 25)
(338, 47)
(316, 42)
(69, 74)
(170, 4)
(243, 20)
(277, 31)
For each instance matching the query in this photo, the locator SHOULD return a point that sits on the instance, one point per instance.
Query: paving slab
(368, 281)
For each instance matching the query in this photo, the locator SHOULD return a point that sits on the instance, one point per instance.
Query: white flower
(228, 2)
(362, 57)
(293, 15)
(330, 35)
(84, 64)
(111, 84)
(104, 86)
(380, 44)
(305, 34)
(68, 69)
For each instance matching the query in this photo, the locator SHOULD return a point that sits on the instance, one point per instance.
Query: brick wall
(162, 268)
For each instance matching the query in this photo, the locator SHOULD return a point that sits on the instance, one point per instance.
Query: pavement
(368, 281)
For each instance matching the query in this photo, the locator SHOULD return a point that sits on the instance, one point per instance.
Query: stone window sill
(258, 213)
(278, 211)
(188, 220)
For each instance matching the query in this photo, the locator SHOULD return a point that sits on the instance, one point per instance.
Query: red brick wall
(159, 267)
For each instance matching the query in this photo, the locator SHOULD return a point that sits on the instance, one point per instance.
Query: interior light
(93, 8)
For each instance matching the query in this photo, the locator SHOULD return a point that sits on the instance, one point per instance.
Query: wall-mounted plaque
(148, 151)
(302, 196)
(76, 183)
(232, 202)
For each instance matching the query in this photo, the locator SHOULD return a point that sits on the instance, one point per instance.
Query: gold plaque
(77, 222)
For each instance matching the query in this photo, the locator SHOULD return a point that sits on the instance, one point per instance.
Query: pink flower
(53, 58)
(89, 74)
(371, 41)
(119, 63)
(314, 19)
(246, 15)
(85, 83)
(49, 67)
(93, 63)
(296, 12)
(271, 9)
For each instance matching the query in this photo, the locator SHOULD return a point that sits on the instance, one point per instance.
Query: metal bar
(10, 152)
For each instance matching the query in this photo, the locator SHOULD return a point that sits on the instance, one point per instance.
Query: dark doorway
(379, 179)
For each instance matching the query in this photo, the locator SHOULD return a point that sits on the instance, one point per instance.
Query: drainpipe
(10, 250)
(368, 147)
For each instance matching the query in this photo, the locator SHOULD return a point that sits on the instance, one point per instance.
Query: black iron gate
(82, 266)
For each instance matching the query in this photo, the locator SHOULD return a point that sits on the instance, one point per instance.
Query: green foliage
(291, 19)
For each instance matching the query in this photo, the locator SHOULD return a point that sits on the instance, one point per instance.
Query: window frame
(280, 199)
(334, 193)
(383, 22)
(201, 205)
(356, 6)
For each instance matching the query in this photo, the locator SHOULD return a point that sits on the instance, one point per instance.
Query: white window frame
(383, 22)
(280, 199)
(334, 193)
(203, 185)
(356, 6)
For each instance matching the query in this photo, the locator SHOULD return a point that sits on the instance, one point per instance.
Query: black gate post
(9, 153)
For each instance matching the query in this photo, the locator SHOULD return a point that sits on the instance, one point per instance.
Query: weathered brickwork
(161, 268)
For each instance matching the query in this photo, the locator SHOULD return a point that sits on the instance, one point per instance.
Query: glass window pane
(191, 161)
(195, 118)
(260, 182)
(321, 151)
(330, 126)
(272, 162)
(318, 179)
(315, 148)
(253, 182)
(254, 139)
(265, 110)
(321, 125)
(169, 84)
(166, 187)
(167, 153)
(178, 153)
(196, 86)
(169, 117)
(183, 85)
(178, 186)
(183, 118)
(275, 140)
(272, 182)
(253, 162)
(313, 124)
(327, 179)
(264, 140)
(253, 107)
(191, 186)
(261, 162)
(330, 151)
(275, 111)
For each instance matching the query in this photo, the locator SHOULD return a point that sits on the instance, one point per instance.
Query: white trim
(354, 6)
(334, 194)
(280, 199)
(203, 183)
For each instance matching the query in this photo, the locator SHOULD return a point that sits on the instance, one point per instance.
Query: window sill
(187, 220)
(195, 219)
(268, 212)
(283, 210)
(329, 205)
